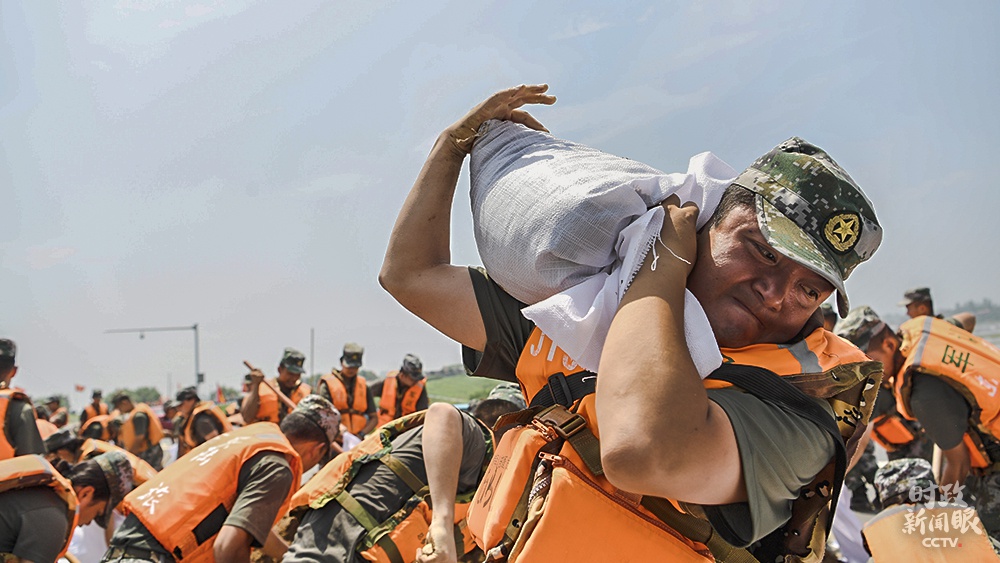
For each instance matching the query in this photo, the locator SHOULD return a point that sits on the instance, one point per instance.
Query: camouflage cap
(413, 367)
(186, 394)
(118, 471)
(322, 412)
(352, 355)
(510, 392)
(861, 324)
(97, 394)
(811, 211)
(907, 480)
(8, 350)
(916, 295)
(65, 437)
(292, 360)
(53, 399)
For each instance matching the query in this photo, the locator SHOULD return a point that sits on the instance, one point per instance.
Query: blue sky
(240, 164)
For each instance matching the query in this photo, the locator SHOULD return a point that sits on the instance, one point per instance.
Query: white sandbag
(551, 216)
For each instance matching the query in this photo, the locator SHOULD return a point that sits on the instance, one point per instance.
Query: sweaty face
(752, 293)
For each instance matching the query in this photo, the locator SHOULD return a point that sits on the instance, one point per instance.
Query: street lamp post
(198, 376)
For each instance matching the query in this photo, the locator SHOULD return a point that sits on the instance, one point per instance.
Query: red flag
(79, 388)
(219, 397)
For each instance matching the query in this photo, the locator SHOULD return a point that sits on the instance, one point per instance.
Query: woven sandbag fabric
(547, 212)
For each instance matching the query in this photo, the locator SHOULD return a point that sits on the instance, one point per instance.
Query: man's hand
(502, 105)
(256, 378)
(440, 546)
(679, 234)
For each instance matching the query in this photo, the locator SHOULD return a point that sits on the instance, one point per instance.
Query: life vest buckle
(561, 421)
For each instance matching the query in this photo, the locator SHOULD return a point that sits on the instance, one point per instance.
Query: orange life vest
(141, 470)
(915, 534)
(272, 410)
(28, 471)
(6, 396)
(102, 421)
(139, 444)
(196, 488)
(60, 417)
(387, 404)
(187, 437)
(398, 538)
(45, 428)
(545, 498)
(353, 415)
(92, 412)
(966, 362)
(891, 431)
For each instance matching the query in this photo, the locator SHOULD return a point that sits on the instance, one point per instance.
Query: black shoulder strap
(565, 389)
(769, 386)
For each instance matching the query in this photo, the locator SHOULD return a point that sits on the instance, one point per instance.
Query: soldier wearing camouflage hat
(46, 505)
(918, 303)
(20, 435)
(785, 236)
(262, 403)
(252, 471)
(899, 436)
(909, 494)
(943, 379)
(349, 392)
(402, 392)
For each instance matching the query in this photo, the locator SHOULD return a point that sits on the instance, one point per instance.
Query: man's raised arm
(417, 269)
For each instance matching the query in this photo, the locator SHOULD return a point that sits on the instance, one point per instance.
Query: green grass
(459, 388)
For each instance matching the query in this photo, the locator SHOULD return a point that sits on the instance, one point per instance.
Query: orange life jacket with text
(102, 421)
(188, 437)
(907, 533)
(139, 444)
(29, 471)
(270, 409)
(141, 470)
(545, 498)
(186, 504)
(353, 415)
(387, 404)
(398, 538)
(92, 412)
(965, 361)
(6, 396)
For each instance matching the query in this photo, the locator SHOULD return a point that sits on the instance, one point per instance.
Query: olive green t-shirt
(780, 452)
(20, 429)
(34, 524)
(263, 485)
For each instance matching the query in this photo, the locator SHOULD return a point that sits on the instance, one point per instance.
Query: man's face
(348, 371)
(885, 352)
(752, 293)
(918, 309)
(125, 405)
(406, 379)
(286, 377)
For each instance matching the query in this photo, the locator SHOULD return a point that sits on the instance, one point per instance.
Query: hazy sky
(240, 164)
